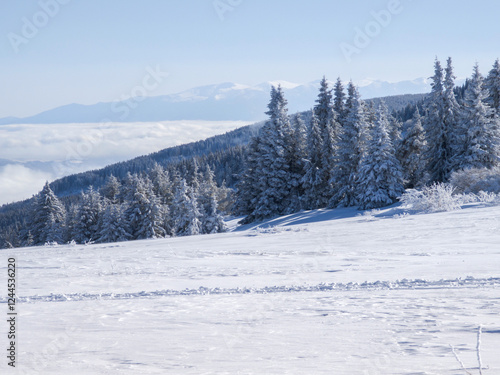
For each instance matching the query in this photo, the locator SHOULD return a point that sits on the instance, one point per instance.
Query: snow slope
(319, 292)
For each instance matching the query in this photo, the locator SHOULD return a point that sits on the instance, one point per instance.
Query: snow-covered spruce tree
(439, 149)
(248, 191)
(295, 156)
(87, 219)
(145, 214)
(208, 185)
(371, 116)
(329, 129)
(312, 181)
(339, 101)
(211, 220)
(111, 189)
(128, 187)
(394, 130)
(226, 198)
(481, 146)
(154, 218)
(492, 85)
(298, 143)
(195, 176)
(274, 173)
(49, 216)
(411, 151)
(162, 185)
(380, 181)
(349, 150)
(113, 226)
(185, 212)
(454, 131)
(71, 222)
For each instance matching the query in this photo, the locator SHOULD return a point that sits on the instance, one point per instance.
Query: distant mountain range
(220, 102)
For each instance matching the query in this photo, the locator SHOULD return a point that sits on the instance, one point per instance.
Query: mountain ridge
(225, 101)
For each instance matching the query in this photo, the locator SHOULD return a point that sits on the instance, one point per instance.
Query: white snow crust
(318, 292)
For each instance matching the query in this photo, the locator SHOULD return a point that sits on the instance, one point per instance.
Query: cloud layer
(31, 154)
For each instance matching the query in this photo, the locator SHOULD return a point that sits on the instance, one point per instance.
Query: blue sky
(87, 51)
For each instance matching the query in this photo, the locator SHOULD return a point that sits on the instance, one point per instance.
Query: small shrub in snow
(475, 180)
(485, 197)
(434, 198)
(442, 197)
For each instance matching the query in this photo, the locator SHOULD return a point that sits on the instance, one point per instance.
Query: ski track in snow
(469, 282)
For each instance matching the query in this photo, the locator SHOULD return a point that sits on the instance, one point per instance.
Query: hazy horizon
(58, 52)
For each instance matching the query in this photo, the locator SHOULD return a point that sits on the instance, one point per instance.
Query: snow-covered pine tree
(113, 226)
(154, 222)
(87, 217)
(329, 130)
(145, 214)
(207, 189)
(439, 150)
(185, 212)
(211, 220)
(299, 130)
(411, 151)
(349, 150)
(274, 172)
(248, 187)
(451, 117)
(29, 239)
(394, 130)
(380, 181)
(295, 157)
(162, 185)
(48, 219)
(208, 184)
(195, 176)
(371, 115)
(71, 222)
(54, 229)
(226, 198)
(492, 85)
(481, 146)
(129, 187)
(312, 180)
(339, 101)
(111, 189)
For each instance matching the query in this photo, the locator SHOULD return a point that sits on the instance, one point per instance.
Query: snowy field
(321, 292)
(33, 154)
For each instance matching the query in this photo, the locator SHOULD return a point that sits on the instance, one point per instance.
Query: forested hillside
(345, 152)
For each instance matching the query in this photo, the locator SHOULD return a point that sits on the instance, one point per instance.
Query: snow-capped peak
(284, 84)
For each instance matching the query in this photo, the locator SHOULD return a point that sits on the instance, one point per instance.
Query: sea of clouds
(33, 154)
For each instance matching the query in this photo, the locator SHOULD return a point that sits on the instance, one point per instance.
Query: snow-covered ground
(320, 292)
(33, 154)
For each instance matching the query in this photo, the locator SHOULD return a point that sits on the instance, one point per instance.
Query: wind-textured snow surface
(318, 292)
